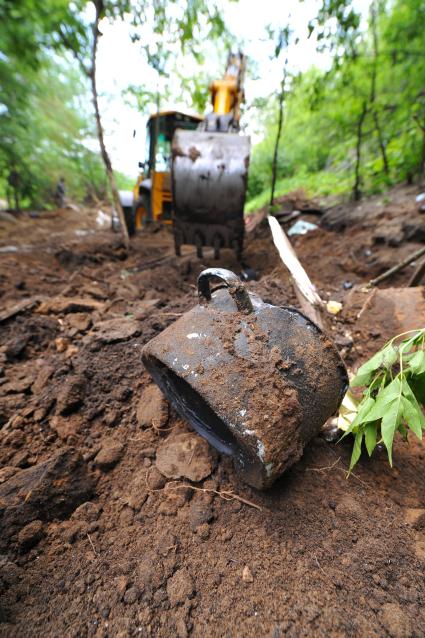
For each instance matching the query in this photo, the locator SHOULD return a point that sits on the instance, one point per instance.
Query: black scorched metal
(209, 177)
(257, 381)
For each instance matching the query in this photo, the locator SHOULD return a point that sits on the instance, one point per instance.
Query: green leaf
(417, 362)
(389, 425)
(412, 417)
(390, 393)
(385, 357)
(357, 450)
(410, 396)
(370, 437)
(364, 407)
(361, 379)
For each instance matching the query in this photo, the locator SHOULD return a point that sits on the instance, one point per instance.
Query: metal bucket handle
(236, 288)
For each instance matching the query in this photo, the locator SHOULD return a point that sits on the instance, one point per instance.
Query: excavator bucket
(209, 179)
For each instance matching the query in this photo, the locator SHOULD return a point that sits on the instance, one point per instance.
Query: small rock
(122, 584)
(79, 321)
(149, 571)
(72, 530)
(65, 305)
(88, 512)
(15, 349)
(155, 480)
(30, 535)
(152, 408)
(116, 330)
(247, 576)
(203, 531)
(138, 490)
(70, 396)
(43, 376)
(48, 490)
(180, 587)
(61, 344)
(200, 512)
(7, 472)
(185, 455)
(131, 596)
(226, 535)
(109, 454)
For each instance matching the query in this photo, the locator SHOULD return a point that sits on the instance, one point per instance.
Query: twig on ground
(92, 546)
(322, 469)
(398, 267)
(366, 303)
(167, 314)
(322, 570)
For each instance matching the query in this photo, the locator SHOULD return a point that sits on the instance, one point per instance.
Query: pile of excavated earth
(117, 520)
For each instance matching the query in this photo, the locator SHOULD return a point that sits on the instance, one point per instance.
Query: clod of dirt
(15, 348)
(87, 512)
(79, 321)
(115, 330)
(138, 490)
(52, 489)
(152, 408)
(180, 587)
(29, 535)
(131, 596)
(185, 455)
(61, 344)
(109, 454)
(200, 511)
(65, 305)
(395, 621)
(247, 576)
(71, 395)
(67, 426)
(7, 472)
(43, 376)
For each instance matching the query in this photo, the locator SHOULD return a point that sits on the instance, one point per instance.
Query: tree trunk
(372, 98)
(105, 157)
(278, 134)
(422, 160)
(357, 183)
(16, 196)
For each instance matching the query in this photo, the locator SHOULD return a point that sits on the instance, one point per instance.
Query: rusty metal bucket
(255, 380)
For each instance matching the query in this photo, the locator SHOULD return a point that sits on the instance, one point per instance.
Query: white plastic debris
(420, 198)
(102, 219)
(301, 227)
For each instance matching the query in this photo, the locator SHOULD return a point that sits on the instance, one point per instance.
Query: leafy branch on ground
(394, 381)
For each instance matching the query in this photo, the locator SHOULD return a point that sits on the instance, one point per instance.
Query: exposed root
(225, 495)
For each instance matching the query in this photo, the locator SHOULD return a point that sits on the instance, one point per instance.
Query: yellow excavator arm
(210, 169)
(227, 94)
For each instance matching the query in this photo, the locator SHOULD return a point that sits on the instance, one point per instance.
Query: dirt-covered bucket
(257, 381)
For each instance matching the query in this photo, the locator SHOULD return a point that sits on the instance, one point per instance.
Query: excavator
(195, 172)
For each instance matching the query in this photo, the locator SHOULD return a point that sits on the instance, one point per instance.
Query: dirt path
(94, 543)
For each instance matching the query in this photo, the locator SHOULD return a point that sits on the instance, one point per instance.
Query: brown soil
(96, 541)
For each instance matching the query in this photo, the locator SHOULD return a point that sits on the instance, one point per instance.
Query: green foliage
(395, 382)
(43, 129)
(379, 74)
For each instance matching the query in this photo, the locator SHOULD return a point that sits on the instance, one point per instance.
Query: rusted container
(257, 381)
